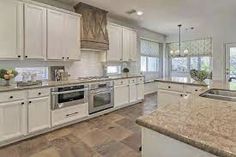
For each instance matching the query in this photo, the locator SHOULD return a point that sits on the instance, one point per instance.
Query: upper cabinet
(122, 43)
(11, 29)
(129, 44)
(63, 36)
(35, 32)
(115, 43)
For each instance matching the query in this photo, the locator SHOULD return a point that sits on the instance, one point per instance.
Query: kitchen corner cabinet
(129, 44)
(39, 114)
(115, 43)
(12, 119)
(63, 36)
(11, 29)
(35, 32)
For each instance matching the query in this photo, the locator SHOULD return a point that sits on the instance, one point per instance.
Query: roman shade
(149, 48)
(200, 47)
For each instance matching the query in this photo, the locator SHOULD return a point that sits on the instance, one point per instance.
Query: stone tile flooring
(111, 135)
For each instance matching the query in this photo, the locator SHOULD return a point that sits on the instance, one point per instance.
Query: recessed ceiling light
(139, 13)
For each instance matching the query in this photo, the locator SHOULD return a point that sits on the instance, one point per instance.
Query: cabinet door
(55, 34)
(132, 93)
(121, 95)
(133, 46)
(12, 120)
(168, 97)
(11, 29)
(39, 114)
(72, 39)
(126, 44)
(115, 43)
(35, 32)
(140, 91)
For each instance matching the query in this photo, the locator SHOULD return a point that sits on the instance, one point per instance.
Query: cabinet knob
(30, 102)
(181, 95)
(11, 97)
(169, 86)
(22, 103)
(19, 56)
(39, 93)
(63, 57)
(26, 56)
(196, 90)
(68, 57)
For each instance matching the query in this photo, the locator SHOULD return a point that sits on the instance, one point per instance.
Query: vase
(7, 83)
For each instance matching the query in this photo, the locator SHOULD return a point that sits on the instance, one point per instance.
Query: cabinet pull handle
(169, 86)
(22, 103)
(26, 56)
(63, 57)
(72, 114)
(30, 102)
(68, 57)
(40, 93)
(11, 97)
(196, 90)
(181, 95)
(18, 56)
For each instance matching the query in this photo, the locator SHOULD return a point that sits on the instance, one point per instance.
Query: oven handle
(101, 91)
(71, 91)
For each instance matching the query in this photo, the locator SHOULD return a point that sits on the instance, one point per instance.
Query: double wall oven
(69, 96)
(101, 96)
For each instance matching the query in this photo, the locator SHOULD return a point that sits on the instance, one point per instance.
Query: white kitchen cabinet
(140, 91)
(115, 43)
(72, 37)
(166, 97)
(11, 29)
(38, 114)
(63, 36)
(35, 32)
(55, 35)
(121, 95)
(129, 45)
(12, 120)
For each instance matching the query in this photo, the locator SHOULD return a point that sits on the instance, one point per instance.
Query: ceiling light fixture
(139, 13)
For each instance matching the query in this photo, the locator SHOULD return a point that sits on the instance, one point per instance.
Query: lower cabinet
(38, 114)
(140, 91)
(132, 93)
(121, 95)
(12, 120)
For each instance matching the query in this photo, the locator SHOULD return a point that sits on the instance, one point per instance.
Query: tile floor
(111, 135)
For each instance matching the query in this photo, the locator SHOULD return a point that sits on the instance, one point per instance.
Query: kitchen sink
(220, 94)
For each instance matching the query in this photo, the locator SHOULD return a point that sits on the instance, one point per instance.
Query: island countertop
(183, 80)
(207, 124)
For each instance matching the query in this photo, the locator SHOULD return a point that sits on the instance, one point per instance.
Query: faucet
(232, 78)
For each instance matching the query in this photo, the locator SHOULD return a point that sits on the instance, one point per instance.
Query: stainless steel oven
(69, 96)
(101, 96)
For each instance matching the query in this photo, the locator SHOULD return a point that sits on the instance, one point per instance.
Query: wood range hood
(94, 35)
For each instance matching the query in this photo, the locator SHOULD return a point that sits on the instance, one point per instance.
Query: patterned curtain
(201, 47)
(149, 48)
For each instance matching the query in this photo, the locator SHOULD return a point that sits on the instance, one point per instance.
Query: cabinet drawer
(12, 96)
(192, 89)
(140, 80)
(39, 92)
(133, 81)
(121, 82)
(171, 86)
(69, 114)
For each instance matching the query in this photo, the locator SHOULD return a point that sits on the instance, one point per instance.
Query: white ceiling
(163, 16)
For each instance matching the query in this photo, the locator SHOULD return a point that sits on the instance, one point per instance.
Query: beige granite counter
(46, 84)
(204, 123)
(183, 80)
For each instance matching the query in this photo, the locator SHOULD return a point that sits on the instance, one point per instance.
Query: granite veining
(47, 84)
(204, 123)
(183, 80)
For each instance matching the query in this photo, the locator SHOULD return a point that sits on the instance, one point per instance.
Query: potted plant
(7, 75)
(199, 75)
(126, 71)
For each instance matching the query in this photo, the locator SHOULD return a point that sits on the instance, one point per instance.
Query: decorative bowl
(199, 75)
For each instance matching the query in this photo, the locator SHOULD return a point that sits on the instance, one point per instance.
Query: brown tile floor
(111, 135)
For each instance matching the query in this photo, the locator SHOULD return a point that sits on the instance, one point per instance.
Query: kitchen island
(192, 126)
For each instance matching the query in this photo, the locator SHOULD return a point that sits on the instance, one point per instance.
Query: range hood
(94, 35)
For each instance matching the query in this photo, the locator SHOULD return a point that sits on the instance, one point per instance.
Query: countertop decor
(7, 75)
(199, 75)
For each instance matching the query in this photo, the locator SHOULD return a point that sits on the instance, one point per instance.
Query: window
(41, 73)
(150, 62)
(114, 70)
(179, 64)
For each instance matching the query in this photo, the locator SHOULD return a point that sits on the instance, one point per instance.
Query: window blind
(149, 48)
(200, 47)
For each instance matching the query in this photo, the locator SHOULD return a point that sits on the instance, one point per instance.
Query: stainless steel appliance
(69, 96)
(101, 96)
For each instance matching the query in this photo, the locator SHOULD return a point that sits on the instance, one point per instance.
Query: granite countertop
(204, 123)
(46, 84)
(183, 80)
